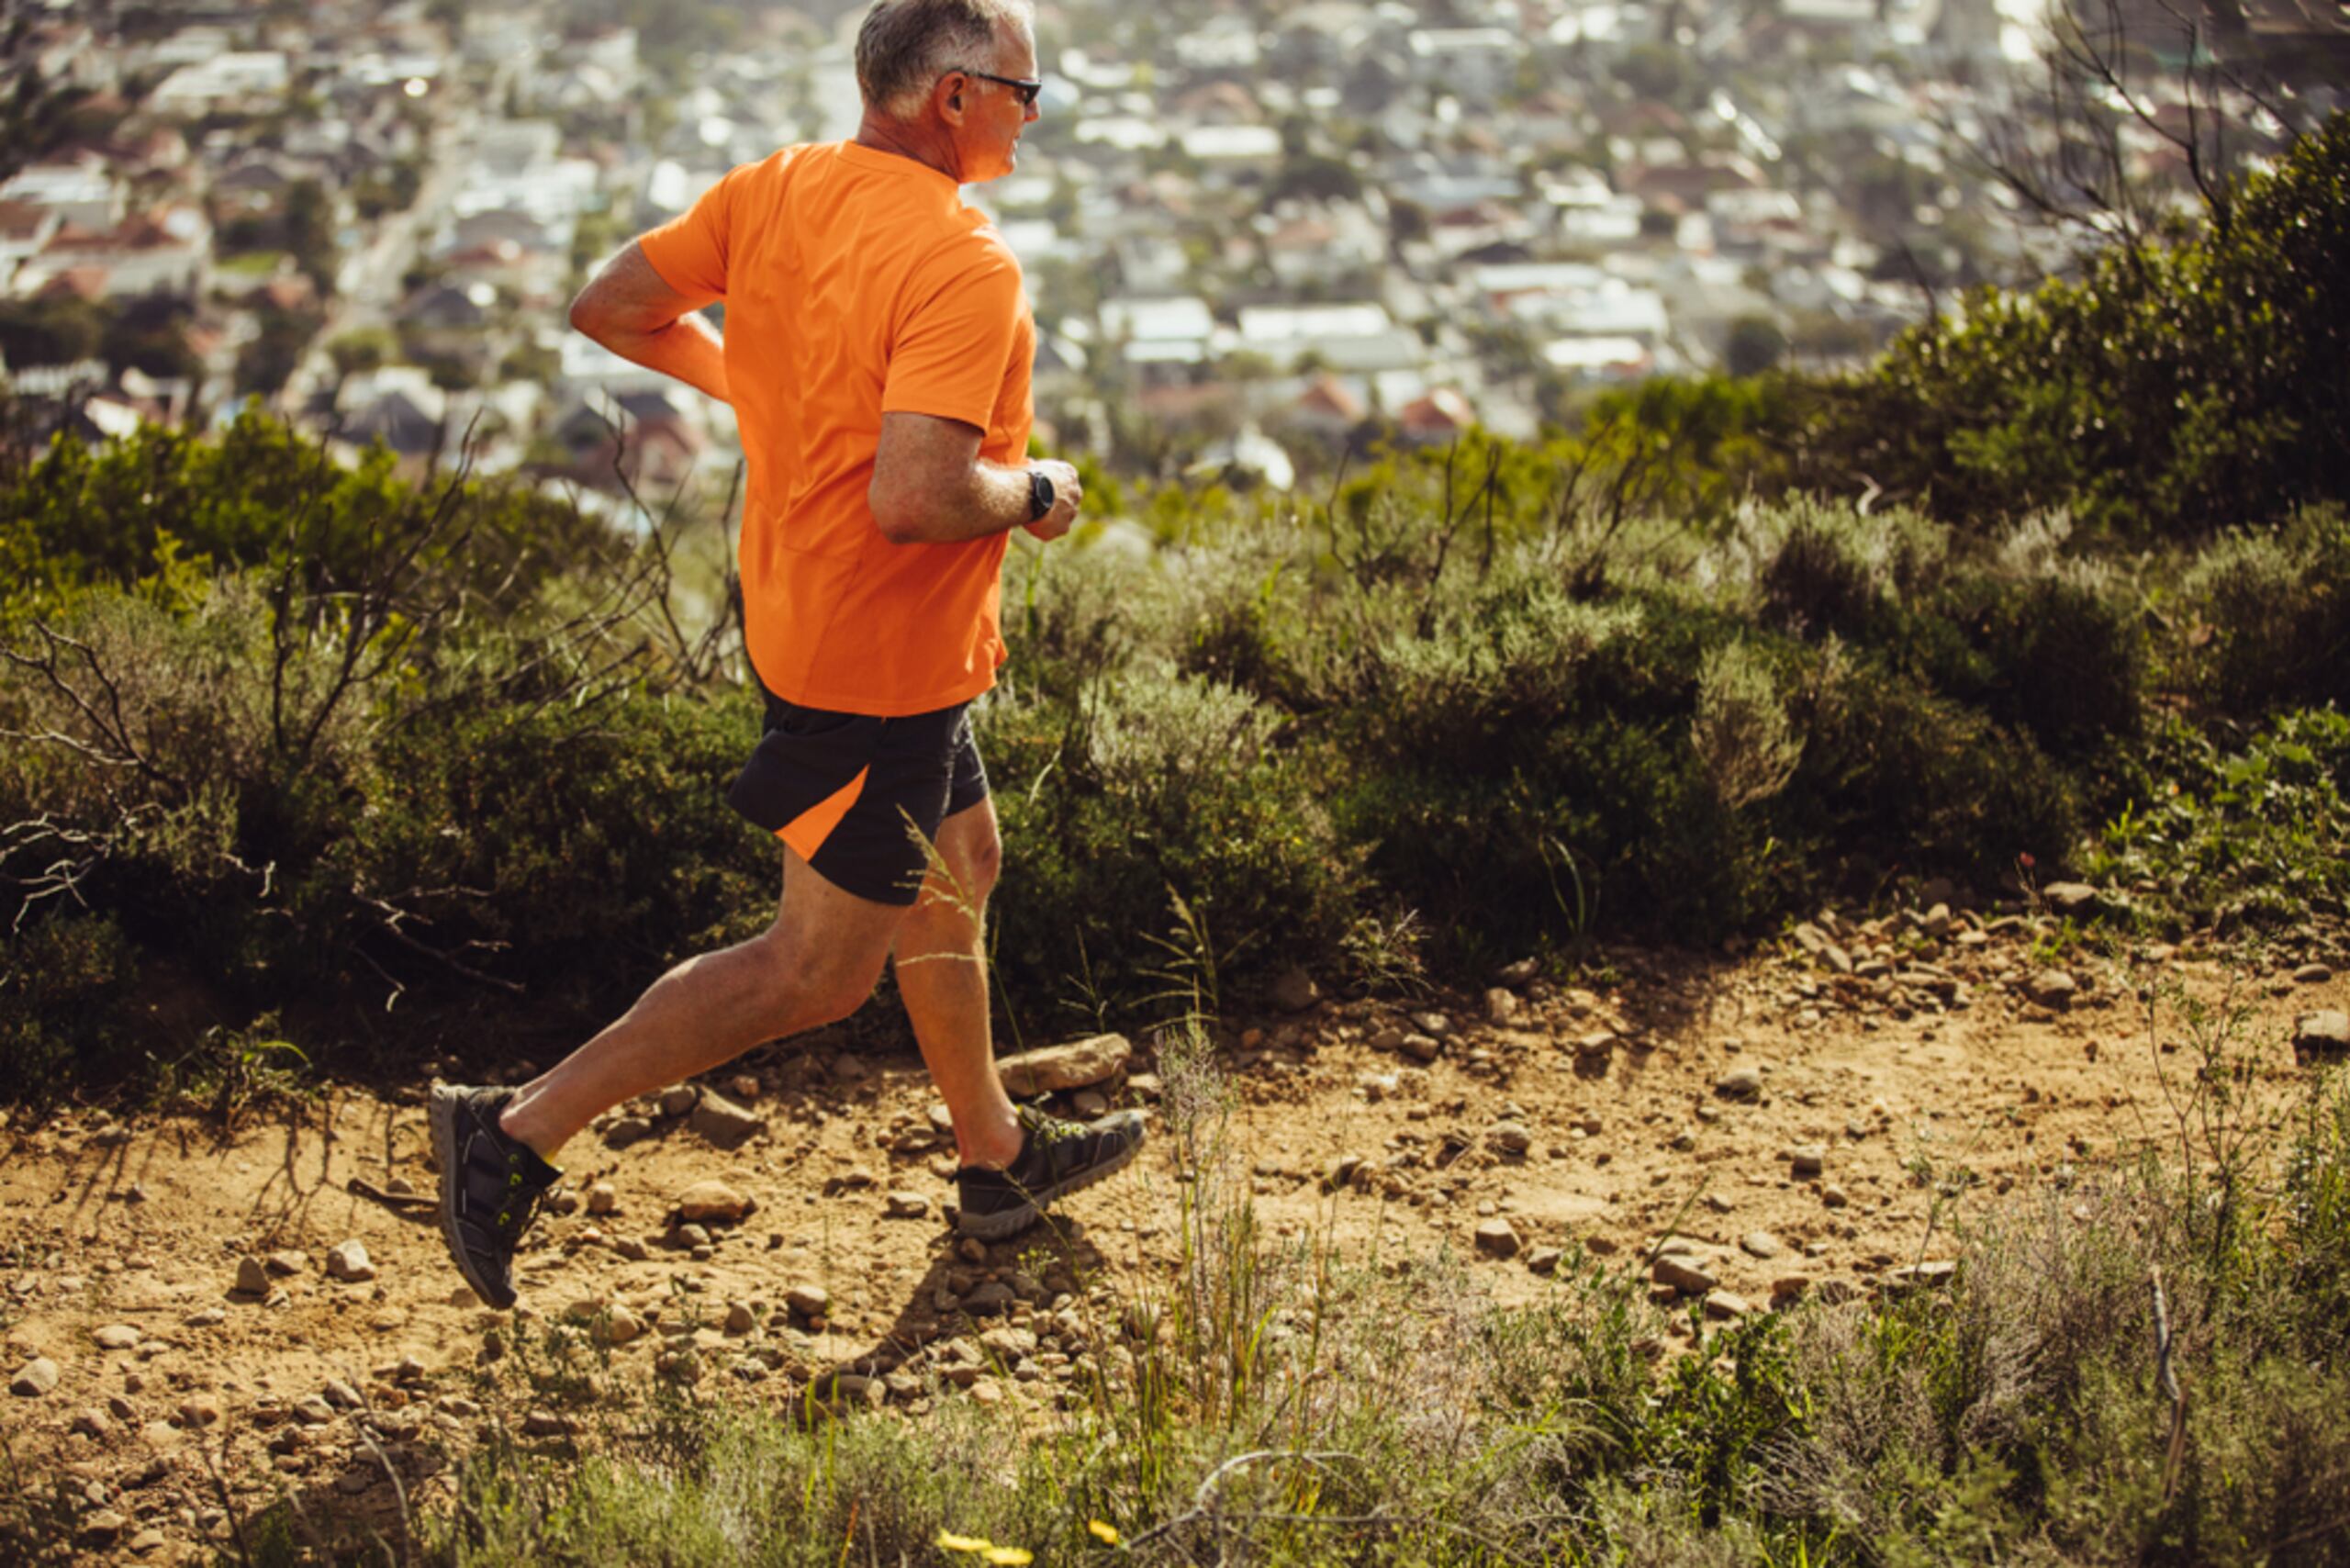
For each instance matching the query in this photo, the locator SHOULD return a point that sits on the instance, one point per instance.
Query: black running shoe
(1056, 1158)
(491, 1186)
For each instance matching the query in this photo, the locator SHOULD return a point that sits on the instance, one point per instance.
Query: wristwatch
(1040, 495)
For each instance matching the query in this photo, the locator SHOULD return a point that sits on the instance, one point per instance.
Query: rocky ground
(198, 1325)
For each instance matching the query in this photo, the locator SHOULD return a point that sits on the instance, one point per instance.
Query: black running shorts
(849, 791)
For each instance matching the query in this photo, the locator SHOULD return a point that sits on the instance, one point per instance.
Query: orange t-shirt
(857, 284)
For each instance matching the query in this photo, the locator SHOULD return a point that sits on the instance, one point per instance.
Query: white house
(253, 78)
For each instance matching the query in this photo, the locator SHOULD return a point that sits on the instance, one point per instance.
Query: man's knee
(983, 862)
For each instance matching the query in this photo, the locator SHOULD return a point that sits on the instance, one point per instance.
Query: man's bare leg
(815, 965)
(941, 961)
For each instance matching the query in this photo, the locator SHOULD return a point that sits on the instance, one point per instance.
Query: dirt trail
(1795, 1114)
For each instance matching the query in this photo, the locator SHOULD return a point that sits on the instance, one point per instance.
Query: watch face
(1040, 495)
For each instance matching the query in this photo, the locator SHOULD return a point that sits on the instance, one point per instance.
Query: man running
(876, 354)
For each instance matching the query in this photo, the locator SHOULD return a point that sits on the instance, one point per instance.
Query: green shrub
(2276, 603)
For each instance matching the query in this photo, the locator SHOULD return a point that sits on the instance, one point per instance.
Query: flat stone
(1421, 1047)
(620, 1326)
(1432, 1023)
(1760, 1244)
(341, 1395)
(288, 1263)
(1496, 1238)
(1808, 1159)
(1917, 1276)
(313, 1411)
(347, 1261)
(1501, 1006)
(1722, 1305)
(1741, 1083)
(199, 1410)
(99, 1528)
(808, 1301)
(1544, 1260)
(1598, 1043)
(1682, 1273)
(545, 1424)
(714, 1200)
(1294, 991)
(116, 1337)
(992, 1296)
(1090, 1105)
(34, 1379)
(1073, 1064)
(2313, 974)
(626, 1130)
(906, 1206)
(2325, 1033)
(722, 1122)
(2052, 987)
(1510, 1137)
(2070, 898)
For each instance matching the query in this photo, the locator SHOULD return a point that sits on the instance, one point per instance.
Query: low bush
(2276, 605)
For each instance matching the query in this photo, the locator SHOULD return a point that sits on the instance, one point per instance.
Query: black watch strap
(1040, 495)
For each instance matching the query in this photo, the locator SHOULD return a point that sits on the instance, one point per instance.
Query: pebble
(2323, 1034)
(808, 1301)
(1511, 1137)
(347, 1261)
(992, 1296)
(740, 1318)
(35, 1378)
(1741, 1082)
(1760, 1244)
(1501, 1006)
(1544, 1260)
(252, 1278)
(1091, 1103)
(313, 1411)
(116, 1337)
(714, 1200)
(721, 1121)
(907, 1206)
(1721, 1304)
(2313, 974)
(92, 1422)
(626, 1130)
(1834, 1196)
(1435, 1023)
(2052, 988)
(2070, 898)
(288, 1262)
(545, 1424)
(620, 1326)
(678, 1099)
(1294, 991)
(1682, 1273)
(1421, 1047)
(199, 1410)
(1808, 1159)
(1496, 1238)
(100, 1527)
(341, 1395)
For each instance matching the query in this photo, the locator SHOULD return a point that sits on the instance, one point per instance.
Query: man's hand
(1067, 494)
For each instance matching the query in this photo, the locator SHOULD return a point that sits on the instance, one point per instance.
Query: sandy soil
(1802, 1128)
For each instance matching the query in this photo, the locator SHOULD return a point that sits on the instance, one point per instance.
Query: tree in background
(1756, 345)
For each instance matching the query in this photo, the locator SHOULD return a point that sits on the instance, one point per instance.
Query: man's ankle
(519, 1128)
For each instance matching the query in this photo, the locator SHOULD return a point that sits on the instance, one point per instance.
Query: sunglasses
(1025, 88)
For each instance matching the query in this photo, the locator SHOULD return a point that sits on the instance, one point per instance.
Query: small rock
(2324, 1035)
(1761, 1244)
(252, 1278)
(1741, 1082)
(1917, 1276)
(2070, 898)
(744, 1086)
(1422, 1048)
(689, 1234)
(847, 1067)
(1598, 1043)
(626, 1130)
(313, 1411)
(1501, 1006)
(1808, 1159)
(341, 1395)
(1511, 1137)
(1295, 991)
(722, 1122)
(1682, 1273)
(146, 1541)
(620, 1326)
(288, 1263)
(93, 1422)
(1435, 1023)
(2052, 988)
(707, 1201)
(2313, 974)
(739, 1319)
(808, 1301)
(1518, 974)
(678, 1099)
(116, 1337)
(100, 1527)
(1721, 1304)
(349, 1263)
(906, 1206)
(545, 1424)
(603, 1199)
(34, 1379)
(942, 1120)
(1496, 1238)
(1834, 1196)
(1074, 1064)
(992, 1296)
(205, 1318)
(1544, 1260)
(1090, 1105)
(199, 1410)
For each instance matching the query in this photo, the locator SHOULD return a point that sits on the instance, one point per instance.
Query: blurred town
(1254, 232)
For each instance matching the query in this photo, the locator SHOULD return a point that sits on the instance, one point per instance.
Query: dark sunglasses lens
(1028, 91)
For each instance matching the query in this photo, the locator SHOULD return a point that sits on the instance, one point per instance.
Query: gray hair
(905, 46)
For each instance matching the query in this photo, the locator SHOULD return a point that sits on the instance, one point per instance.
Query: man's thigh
(831, 938)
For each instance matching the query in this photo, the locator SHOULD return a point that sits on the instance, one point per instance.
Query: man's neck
(924, 144)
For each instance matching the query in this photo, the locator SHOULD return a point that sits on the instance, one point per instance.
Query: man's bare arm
(932, 486)
(631, 310)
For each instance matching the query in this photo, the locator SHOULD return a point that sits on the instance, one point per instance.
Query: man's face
(993, 116)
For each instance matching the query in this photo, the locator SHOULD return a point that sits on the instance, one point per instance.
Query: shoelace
(512, 1223)
(1049, 1129)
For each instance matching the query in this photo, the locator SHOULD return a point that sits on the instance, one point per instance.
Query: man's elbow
(897, 513)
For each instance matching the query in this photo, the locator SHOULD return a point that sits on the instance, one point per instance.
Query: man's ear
(949, 97)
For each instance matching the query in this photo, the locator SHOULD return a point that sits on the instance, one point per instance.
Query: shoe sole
(1007, 1223)
(443, 1117)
